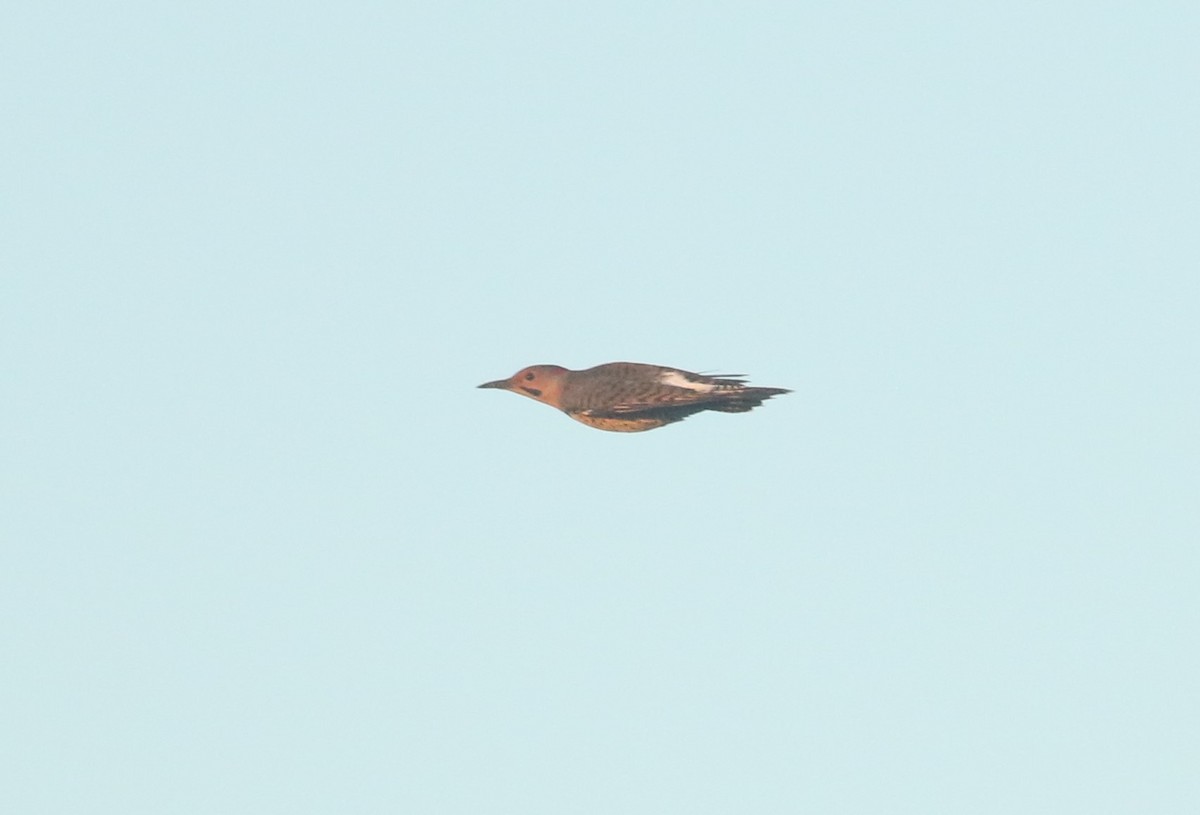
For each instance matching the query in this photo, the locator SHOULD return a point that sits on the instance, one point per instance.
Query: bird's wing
(672, 400)
(666, 399)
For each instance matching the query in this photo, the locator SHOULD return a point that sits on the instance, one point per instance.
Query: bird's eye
(529, 377)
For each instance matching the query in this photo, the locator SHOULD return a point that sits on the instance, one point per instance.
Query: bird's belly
(621, 425)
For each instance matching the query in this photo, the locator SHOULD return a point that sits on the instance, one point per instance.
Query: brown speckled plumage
(629, 397)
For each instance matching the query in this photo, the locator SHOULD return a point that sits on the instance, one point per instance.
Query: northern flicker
(628, 397)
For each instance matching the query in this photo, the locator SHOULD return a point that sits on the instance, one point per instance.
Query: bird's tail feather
(745, 399)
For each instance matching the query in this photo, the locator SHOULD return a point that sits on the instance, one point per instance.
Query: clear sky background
(266, 549)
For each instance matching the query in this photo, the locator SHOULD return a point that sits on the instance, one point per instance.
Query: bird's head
(541, 382)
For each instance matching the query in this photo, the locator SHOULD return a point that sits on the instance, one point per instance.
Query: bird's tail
(744, 399)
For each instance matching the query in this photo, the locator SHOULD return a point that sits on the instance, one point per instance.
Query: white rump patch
(678, 380)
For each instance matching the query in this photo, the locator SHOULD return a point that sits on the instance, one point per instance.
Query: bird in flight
(629, 397)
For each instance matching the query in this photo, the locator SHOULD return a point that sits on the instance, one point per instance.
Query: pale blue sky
(266, 549)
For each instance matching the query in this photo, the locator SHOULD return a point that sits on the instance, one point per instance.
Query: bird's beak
(502, 384)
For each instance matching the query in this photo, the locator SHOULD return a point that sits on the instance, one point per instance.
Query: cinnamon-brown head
(541, 382)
